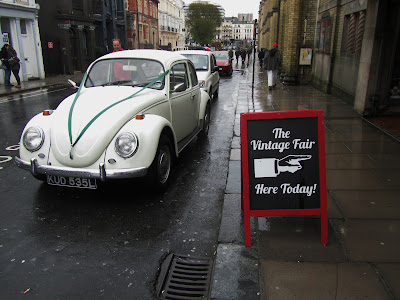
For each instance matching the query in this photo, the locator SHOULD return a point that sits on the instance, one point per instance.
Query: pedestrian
(243, 55)
(237, 54)
(272, 63)
(261, 56)
(13, 61)
(117, 45)
(5, 65)
(230, 53)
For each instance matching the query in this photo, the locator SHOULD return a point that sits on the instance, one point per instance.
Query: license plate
(84, 183)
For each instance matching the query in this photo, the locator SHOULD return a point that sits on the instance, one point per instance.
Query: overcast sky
(234, 7)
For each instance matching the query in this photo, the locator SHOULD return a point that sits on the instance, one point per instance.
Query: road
(63, 243)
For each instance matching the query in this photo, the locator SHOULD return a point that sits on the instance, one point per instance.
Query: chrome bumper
(100, 174)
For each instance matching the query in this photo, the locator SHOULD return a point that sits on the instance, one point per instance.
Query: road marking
(4, 159)
(13, 148)
(29, 95)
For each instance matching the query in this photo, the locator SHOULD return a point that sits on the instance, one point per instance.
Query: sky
(234, 7)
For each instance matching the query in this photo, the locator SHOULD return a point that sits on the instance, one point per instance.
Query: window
(22, 23)
(178, 75)
(353, 32)
(324, 32)
(193, 75)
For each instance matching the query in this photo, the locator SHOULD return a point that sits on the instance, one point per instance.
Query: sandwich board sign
(283, 166)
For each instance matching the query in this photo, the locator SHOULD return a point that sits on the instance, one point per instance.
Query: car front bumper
(101, 174)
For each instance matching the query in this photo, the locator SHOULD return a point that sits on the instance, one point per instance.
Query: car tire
(215, 96)
(161, 166)
(206, 124)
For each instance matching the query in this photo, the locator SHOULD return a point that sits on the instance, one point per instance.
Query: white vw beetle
(133, 113)
(206, 69)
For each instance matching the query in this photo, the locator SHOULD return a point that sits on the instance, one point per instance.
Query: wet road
(70, 243)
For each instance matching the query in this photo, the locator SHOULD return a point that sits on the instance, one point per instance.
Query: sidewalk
(286, 260)
(58, 80)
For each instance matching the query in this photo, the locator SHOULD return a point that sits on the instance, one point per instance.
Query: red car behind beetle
(224, 62)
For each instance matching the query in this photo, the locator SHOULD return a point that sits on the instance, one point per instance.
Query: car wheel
(206, 123)
(161, 167)
(216, 92)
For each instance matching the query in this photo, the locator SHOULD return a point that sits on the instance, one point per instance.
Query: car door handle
(192, 97)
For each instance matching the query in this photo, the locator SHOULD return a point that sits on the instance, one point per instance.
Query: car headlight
(126, 144)
(33, 138)
(202, 83)
(226, 64)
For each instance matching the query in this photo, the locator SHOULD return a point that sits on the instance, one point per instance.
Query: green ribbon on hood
(103, 111)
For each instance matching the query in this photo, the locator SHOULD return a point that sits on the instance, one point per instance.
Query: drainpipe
(279, 17)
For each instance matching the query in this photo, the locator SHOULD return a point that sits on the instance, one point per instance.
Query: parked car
(206, 69)
(133, 113)
(224, 62)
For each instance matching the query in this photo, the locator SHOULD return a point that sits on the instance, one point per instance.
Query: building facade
(142, 24)
(357, 52)
(290, 24)
(75, 32)
(172, 24)
(19, 28)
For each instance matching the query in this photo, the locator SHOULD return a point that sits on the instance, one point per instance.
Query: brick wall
(293, 32)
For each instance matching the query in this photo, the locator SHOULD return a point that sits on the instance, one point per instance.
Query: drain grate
(185, 278)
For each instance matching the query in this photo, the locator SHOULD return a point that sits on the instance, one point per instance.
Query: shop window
(324, 33)
(353, 32)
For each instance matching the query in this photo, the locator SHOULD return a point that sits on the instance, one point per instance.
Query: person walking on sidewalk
(13, 60)
(5, 65)
(272, 63)
(237, 54)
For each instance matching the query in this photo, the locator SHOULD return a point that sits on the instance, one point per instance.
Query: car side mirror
(180, 87)
(73, 83)
(216, 69)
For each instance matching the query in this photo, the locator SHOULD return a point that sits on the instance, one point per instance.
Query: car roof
(198, 52)
(163, 56)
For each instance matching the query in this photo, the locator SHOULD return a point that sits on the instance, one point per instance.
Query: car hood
(202, 75)
(91, 102)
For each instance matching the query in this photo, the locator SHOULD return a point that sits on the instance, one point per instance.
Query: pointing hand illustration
(291, 163)
(272, 167)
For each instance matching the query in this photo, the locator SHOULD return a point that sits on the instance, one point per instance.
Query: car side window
(212, 63)
(193, 75)
(178, 75)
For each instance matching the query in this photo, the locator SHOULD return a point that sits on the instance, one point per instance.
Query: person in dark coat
(237, 54)
(13, 60)
(5, 65)
(272, 63)
(261, 56)
(243, 55)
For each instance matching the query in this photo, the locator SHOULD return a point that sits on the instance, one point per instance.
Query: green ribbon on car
(104, 110)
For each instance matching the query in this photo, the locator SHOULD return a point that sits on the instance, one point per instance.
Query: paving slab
(304, 280)
(236, 273)
(383, 204)
(353, 180)
(390, 274)
(296, 239)
(367, 240)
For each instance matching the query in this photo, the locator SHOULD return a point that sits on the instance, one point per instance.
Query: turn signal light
(47, 112)
(139, 117)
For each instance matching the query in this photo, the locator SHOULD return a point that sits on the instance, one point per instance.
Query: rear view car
(206, 69)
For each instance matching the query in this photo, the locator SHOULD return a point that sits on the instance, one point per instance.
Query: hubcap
(164, 164)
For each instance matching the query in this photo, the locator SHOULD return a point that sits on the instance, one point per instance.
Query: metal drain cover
(184, 277)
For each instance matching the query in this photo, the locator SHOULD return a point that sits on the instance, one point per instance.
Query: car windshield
(221, 55)
(200, 61)
(127, 72)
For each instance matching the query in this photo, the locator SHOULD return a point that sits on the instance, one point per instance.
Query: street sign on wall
(283, 166)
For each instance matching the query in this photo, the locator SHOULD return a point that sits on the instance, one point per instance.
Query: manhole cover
(185, 278)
